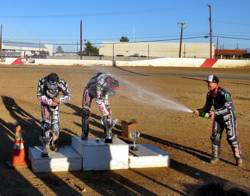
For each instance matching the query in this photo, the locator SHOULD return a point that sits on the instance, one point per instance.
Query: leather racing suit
(97, 88)
(225, 117)
(50, 126)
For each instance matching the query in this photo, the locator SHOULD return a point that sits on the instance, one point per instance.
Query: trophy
(109, 124)
(45, 142)
(134, 136)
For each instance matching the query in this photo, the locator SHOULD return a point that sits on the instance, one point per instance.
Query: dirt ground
(161, 122)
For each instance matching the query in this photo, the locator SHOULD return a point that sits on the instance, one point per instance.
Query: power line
(233, 23)
(158, 40)
(240, 38)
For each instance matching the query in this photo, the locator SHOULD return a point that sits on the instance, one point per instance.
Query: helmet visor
(113, 91)
(51, 85)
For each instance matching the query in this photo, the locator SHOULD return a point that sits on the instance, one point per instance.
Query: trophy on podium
(46, 143)
(108, 125)
(134, 136)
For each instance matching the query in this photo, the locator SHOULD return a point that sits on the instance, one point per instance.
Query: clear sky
(58, 21)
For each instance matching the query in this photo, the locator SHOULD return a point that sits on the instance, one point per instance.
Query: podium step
(66, 159)
(148, 155)
(98, 155)
(95, 154)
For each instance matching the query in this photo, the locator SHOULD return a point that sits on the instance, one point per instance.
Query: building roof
(24, 44)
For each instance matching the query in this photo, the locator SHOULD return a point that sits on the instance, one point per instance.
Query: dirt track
(183, 135)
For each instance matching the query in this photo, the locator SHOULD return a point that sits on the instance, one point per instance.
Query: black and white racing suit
(50, 114)
(225, 117)
(97, 88)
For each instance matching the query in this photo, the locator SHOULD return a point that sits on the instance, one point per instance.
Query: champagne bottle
(204, 114)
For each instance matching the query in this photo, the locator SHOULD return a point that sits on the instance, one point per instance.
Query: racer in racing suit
(48, 92)
(224, 116)
(98, 88)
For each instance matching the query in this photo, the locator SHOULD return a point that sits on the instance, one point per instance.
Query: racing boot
(215, 150)
(237, 153)
(85, 128)
(238, 162)
(45, 142)
(84, 135)
(214, 160)
(54, 146)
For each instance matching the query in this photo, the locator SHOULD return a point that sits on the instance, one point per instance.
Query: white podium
(148, 155)
(98, 155)
(95, 154)
(66, 159)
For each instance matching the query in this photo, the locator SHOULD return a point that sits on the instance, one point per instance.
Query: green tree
(90, 49)
(44, 52)
(124, 39)
(59, 49)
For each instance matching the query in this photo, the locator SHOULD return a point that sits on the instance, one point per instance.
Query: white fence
(162, 62)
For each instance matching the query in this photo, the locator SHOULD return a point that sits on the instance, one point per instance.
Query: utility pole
(217, 45)
(81, 39)
(210, 26)
(182, 25)
(1, 40)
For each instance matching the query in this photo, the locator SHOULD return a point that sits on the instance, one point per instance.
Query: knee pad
(55, 127)
(55, 131)
(216, 138)
(102, 108)
(109, 111)
(44, 128)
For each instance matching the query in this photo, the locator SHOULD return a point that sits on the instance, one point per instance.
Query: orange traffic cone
(18, 154)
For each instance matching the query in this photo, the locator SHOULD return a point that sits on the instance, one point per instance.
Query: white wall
(161, 62)
(160, 50)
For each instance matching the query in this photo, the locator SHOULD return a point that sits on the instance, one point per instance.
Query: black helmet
(112, 84)
(212, 78)
(114, 87)
(52, 81)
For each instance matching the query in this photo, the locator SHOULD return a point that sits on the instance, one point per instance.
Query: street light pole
(182, 25)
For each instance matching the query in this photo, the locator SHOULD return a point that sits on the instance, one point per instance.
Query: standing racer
(48, 92)
(224, 116)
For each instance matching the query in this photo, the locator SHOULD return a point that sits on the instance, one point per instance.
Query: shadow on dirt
(103, 182)
(106, 182)
(111, 183)
(195, 152)
(29, 124)
(180, 167)
(155, 181)
(30, 132)
(203, 156)
(95, 122)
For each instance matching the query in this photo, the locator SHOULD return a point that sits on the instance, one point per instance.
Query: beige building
(155, 50)
(22, 49)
